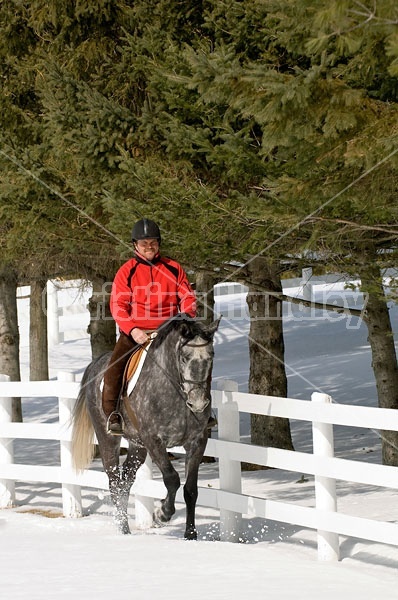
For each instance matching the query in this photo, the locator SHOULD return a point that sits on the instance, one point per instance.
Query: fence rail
(230, 451)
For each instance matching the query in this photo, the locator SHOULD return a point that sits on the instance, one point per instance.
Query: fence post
(306, 275)
(52, 314)
(71, 493)
(325, 487)
(144, 506)
(230, 470)
(7, 486)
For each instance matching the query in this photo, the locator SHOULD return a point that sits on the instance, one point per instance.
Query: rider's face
(148, 248)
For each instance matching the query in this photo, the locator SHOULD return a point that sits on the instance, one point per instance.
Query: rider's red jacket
(145, 294)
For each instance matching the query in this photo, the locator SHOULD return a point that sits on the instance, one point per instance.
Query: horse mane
(186, 327)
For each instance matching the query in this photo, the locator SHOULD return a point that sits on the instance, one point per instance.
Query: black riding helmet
(145, 229)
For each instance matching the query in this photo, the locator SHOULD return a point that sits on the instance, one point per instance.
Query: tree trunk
(384, 357)
(9, 333)
(266, 350)
(205, 296)
(102, 328)
(38, 344)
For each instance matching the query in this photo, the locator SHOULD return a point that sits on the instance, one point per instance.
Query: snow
(43, 555)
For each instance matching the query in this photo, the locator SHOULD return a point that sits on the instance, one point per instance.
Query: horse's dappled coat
(171, 403)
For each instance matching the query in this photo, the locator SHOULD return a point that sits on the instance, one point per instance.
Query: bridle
(195, 384)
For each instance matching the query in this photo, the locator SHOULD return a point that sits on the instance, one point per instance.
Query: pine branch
(356, 226)
(354, 312)
(371, 15)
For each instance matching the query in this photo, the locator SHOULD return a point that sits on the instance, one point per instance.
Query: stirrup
(115, 427)
(212, 422)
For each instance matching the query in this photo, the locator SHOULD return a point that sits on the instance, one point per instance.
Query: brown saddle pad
(133, 363)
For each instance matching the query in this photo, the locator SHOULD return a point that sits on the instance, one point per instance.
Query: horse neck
(165, 357)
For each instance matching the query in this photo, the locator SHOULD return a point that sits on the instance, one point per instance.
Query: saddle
(134, 365)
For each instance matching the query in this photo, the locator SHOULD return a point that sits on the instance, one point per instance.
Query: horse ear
(212, 328)
(184, 323)
(185, 330)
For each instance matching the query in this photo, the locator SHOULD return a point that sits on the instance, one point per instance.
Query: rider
(147, 290)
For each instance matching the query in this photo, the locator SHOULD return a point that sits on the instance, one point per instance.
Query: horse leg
(135, 458)
(110, 450)
(171, 480)
(119, 491)
(122, 477)
(194, 455)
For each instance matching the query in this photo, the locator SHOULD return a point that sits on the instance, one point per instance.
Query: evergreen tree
(244, 128)
(285, 112)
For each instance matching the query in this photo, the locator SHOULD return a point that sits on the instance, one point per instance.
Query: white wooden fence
(323, 517)
(55, 313)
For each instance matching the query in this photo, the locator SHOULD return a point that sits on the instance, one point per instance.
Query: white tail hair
(83, 447)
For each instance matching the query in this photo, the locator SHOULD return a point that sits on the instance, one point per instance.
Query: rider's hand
(139, 335)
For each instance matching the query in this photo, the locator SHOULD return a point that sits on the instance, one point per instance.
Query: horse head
(195, 362)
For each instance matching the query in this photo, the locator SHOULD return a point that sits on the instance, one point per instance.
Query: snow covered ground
(43, 555)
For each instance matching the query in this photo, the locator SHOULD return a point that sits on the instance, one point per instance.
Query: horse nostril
(197, 407)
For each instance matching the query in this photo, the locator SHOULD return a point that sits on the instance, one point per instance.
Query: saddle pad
(135, 364)
(132, 364)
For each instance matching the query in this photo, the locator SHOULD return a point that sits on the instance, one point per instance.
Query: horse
(169, 406)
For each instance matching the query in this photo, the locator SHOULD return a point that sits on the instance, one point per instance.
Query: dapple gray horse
(169, 406)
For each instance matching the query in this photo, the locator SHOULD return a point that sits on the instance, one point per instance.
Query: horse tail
(82, 434)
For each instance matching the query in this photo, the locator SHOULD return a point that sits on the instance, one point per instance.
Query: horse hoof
(159, 518)
(124, 528)
(191, 534)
